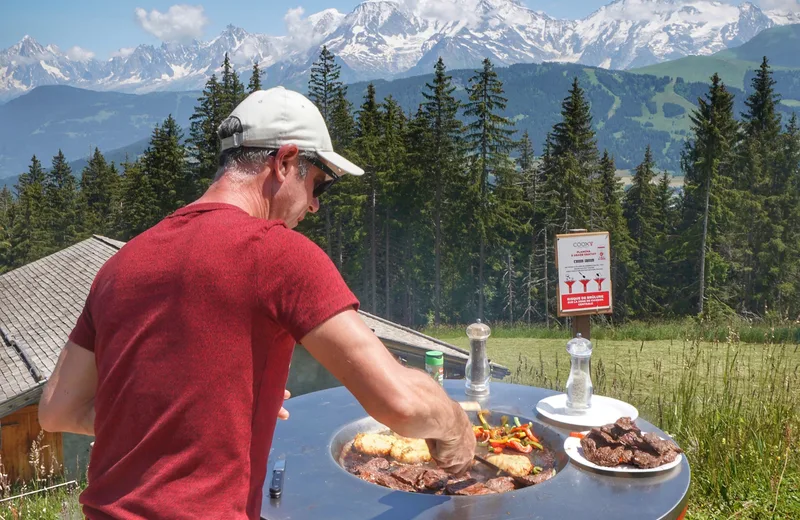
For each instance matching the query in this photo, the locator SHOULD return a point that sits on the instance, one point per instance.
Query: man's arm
(67, 403)
(408, 401)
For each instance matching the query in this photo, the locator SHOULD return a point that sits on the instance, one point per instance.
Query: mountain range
(400, 38)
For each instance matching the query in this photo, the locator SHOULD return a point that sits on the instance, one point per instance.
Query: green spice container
(434, 365)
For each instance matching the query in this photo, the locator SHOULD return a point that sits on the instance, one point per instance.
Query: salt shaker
(477, 370)
(579, 383)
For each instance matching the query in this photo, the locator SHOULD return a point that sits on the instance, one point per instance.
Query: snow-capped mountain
(392, 38)
(634, 33)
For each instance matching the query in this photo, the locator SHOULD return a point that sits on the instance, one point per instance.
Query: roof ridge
(415, 332)
(24, 355)
(109, 241)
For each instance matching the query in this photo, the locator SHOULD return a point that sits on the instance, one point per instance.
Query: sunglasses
(323, 186)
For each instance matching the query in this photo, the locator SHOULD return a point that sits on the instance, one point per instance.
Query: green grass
(701, 68)
(782, 332)
(734, 407)
(673, 125)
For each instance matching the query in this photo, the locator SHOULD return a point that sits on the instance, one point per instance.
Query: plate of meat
(621, 447)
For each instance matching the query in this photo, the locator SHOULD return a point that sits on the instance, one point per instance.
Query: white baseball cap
(278, 116)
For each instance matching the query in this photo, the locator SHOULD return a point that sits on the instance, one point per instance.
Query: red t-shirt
(193, 324)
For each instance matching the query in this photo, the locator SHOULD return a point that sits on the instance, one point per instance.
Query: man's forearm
(433, 415)
(81, 422)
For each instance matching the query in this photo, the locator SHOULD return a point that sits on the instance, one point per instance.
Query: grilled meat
(623, 443)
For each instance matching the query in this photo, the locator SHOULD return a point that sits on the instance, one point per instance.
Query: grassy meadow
(729, 395)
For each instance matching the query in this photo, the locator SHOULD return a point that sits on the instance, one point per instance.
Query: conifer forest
(457, 213)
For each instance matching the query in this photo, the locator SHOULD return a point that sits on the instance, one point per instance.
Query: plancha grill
(315, 485)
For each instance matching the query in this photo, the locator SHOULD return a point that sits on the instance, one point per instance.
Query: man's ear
(286, 154)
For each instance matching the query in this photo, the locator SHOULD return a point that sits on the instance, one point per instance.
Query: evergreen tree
(392, 175)
(61, 195)
(444, 151)
(138, 207)
(203, 140)
(708, 164)
(570, 164)
(255, 79)
(612, 219)
(98, 184)
(368, 150)
(758, 188)
(30, 237)
(164, 164)
(6, 223)
(489, 139)
(324, 86)
(233, 91)
(641, 212)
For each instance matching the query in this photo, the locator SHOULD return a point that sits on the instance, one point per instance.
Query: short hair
(245, 161)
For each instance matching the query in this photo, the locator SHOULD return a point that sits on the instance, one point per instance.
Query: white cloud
(781, 5)
(181, 23)
(299, 30)
(124, 52)
(79, 54)
(446, 11)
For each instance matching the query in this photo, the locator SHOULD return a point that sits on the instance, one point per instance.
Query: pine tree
(203, 140)
(97, 187)
(367, 146)
(393, 176)
(759, 190)
(255, 79)
(324, 86)
(570, 164)
(708, 165)
(232, 89)
(6, 223)
(489, 139)
(444, 150)
(30, 237)
(164, 164)
(61, 195)
(532, 186)
(138, 207)
(641, 212)
(612, 219)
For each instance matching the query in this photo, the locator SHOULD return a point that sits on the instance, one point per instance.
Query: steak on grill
(469, 487)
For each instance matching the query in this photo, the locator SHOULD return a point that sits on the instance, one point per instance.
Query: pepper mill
(477, 370)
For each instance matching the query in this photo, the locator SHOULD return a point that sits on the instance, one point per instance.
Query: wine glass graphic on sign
(570, 282)
(599, 280)
(585, 281)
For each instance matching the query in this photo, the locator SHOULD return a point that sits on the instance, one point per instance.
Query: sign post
(584, 277)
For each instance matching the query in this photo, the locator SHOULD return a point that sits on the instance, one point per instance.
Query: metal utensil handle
(276, 486)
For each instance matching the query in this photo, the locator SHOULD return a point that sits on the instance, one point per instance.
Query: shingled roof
(41, 301)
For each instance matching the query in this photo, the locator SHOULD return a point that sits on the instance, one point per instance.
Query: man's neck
(241, 195)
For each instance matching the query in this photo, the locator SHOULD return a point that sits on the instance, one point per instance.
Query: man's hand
(284, 413)
(454, 454)
(406, 400)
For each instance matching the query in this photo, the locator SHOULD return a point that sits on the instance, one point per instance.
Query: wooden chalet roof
(41, 301)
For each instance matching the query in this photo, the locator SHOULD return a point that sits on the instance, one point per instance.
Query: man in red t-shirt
(178, 363)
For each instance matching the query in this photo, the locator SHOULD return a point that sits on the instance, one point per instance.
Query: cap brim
(339, 164)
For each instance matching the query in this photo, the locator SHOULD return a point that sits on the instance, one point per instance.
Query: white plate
(604, 410)
(573, 448)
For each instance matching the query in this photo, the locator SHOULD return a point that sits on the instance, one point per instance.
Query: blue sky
(102, 27)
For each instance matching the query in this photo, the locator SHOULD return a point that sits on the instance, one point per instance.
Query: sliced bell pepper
(514, 443)
(577, 435)
(483, 421)
(530, 434)
(537, 445)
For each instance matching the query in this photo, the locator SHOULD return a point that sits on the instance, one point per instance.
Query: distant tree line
(456, 215)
